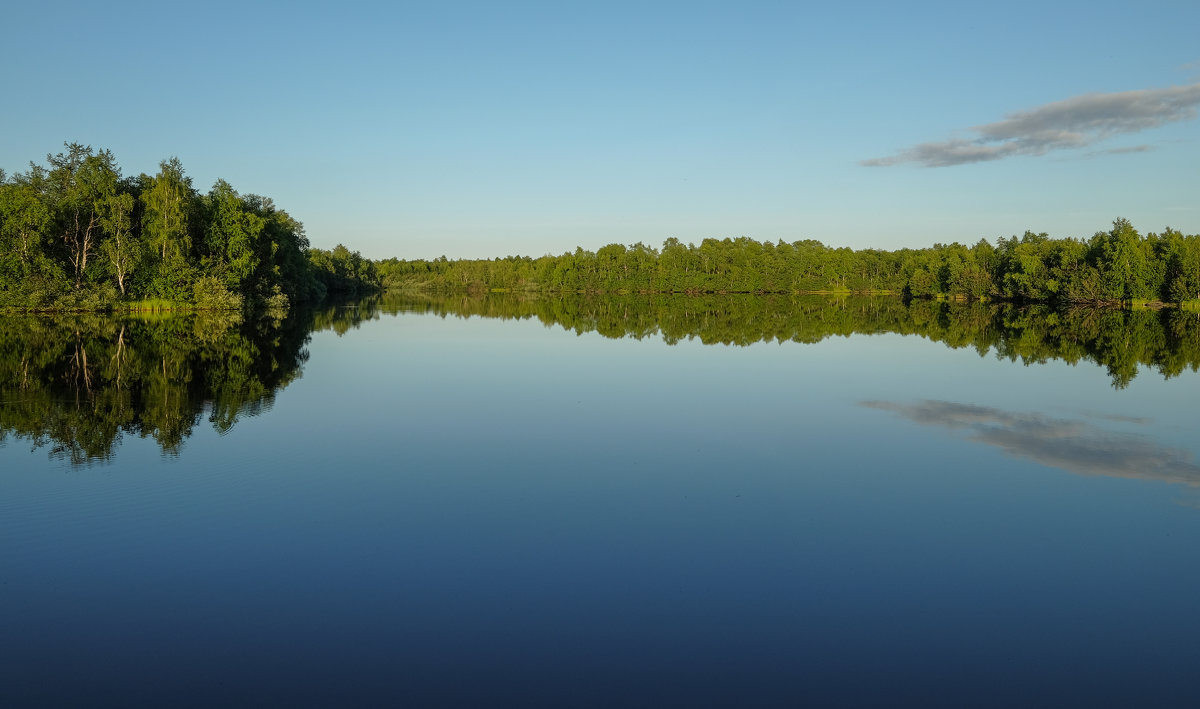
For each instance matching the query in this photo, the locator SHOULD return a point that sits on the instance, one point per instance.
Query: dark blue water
(448, 512)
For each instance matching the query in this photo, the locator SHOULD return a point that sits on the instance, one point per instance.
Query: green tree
(80, 181)
(1182, 256)
(167, 204)
(1123, 266)
(231, 239)
(122, 249)
(24, 220)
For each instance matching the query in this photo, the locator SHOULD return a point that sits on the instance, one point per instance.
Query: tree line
(1118, 265)
(76, 234)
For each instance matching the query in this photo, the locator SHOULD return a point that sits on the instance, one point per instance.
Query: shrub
(209, 293)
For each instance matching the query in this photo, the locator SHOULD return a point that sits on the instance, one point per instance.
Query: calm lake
(673, 501)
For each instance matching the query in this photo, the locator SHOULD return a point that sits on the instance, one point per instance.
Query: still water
(572, 503)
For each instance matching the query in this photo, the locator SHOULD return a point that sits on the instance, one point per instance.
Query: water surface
(602, 502)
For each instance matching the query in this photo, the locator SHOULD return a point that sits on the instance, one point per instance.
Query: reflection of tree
(1073, 445)
(77, 384)
(1122, 341)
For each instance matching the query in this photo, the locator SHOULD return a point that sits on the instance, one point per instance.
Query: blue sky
(489, 129)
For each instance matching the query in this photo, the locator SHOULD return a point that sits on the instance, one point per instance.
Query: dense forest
(77, 235)
(1115, 266)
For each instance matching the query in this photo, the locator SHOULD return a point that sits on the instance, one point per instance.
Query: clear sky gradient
(498, 128)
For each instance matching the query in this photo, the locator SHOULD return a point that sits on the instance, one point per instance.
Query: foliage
(1112, 267)
(75, 235)
(343, 272)
(210, 293)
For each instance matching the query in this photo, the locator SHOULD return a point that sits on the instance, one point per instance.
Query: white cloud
(1073, 123)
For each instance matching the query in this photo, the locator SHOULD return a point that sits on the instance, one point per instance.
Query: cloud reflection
(1075, 446)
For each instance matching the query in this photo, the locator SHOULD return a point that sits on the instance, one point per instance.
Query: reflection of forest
(78, 383)
(1167, 341)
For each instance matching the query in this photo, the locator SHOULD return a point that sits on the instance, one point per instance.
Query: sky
(478, 130)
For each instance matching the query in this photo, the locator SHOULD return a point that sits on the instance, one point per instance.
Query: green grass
(152, 304)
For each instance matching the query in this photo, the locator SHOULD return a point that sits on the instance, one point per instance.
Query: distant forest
(1112, 267)
(77, 235)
